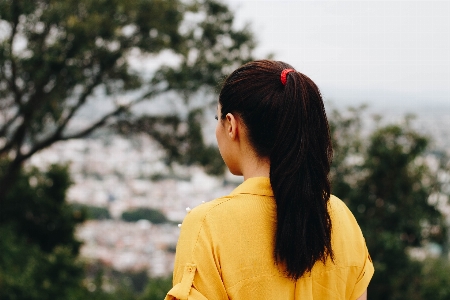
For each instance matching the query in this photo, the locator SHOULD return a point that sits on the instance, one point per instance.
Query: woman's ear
(232, 126)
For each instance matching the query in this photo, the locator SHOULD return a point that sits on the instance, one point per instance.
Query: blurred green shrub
(152, 215)
(91, 212)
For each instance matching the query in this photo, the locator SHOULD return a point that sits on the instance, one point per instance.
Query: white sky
(385, 53)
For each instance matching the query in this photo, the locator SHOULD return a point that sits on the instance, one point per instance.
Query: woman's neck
(256, 167)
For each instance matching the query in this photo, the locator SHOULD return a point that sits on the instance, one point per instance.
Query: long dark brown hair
(288, 124)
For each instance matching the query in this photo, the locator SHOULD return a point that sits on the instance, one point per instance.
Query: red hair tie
(284, 74)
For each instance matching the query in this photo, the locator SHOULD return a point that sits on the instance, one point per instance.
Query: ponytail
(286, 122)
(299, 167)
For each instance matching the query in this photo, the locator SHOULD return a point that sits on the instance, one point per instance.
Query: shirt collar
(255, 186)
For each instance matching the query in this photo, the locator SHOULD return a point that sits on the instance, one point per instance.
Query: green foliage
(108, 284)
(91, 212)
(28, 273)
(72, 48)
(38, 246)
(435, 279)
(157, 288)
(75, 53)
(126, 285)
(138, 280)
(386, 183)
(36, 208)
(345, 129)
(213, 49)
(38, 249)
(152, 215)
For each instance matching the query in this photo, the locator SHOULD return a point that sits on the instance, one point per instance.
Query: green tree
(157, 288)
(36, 208)
(386, 183)
(39, 252)
(58, 57)
(435, 276)
(38, 245)
(152, 215)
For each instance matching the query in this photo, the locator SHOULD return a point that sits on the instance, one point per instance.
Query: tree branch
(57, 136)
(81, 101)
(26, 110)
(6, 126)
(12, 80)
(95, 125)
(116, 112)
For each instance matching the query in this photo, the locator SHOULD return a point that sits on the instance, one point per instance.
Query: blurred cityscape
(124, 174)
(121, 174)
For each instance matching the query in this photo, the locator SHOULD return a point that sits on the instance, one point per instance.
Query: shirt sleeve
(197, 274)
(362, 266)
(364, 278)
(184, 289)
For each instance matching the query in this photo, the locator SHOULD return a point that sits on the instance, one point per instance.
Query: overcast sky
(385, 53)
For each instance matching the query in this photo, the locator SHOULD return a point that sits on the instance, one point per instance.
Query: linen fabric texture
(225, 251)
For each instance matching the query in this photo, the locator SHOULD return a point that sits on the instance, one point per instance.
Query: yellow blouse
(225, 251)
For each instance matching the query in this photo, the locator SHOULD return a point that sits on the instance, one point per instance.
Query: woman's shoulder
(336, 203)
(338, 209)
(202, 211)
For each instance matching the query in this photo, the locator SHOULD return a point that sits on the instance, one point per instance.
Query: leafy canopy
(387, 184)
(60, 57)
